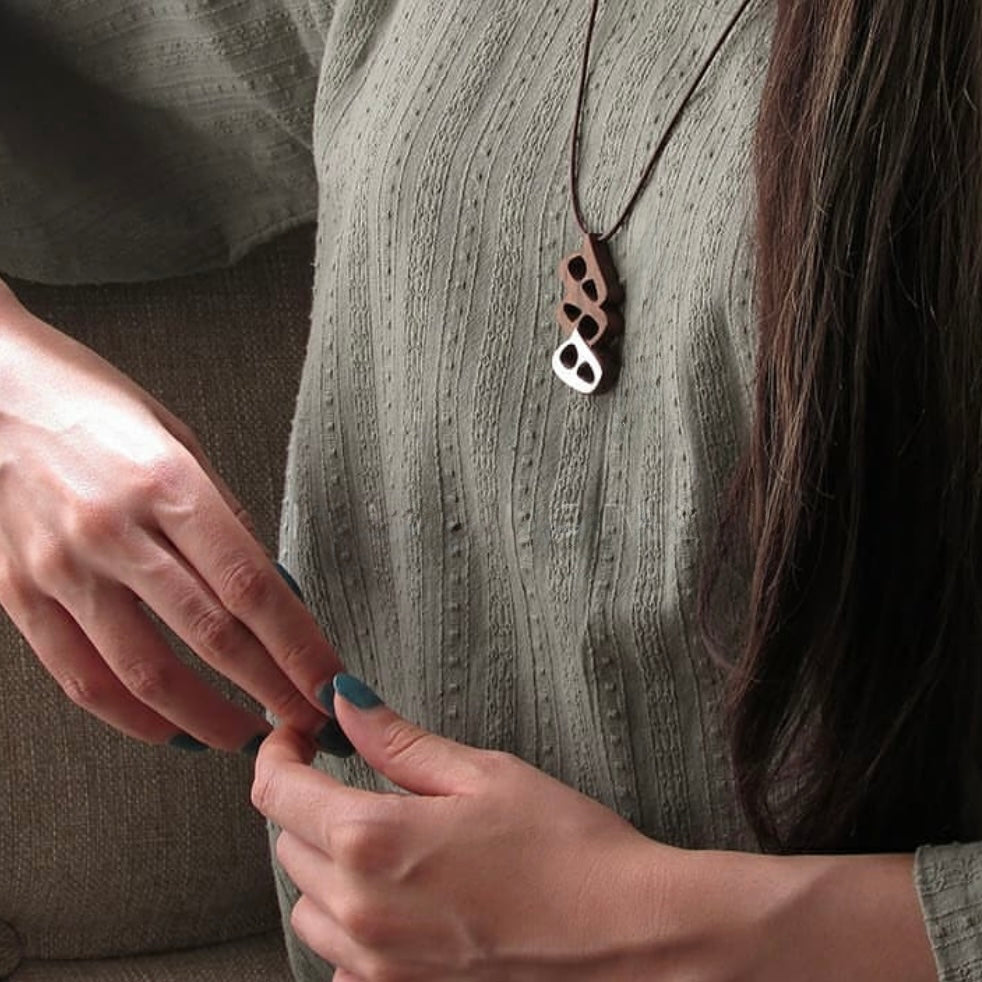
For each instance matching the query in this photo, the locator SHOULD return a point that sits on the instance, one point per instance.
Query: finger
(407, 755)
(238, 572)
(286, 746)
(324, 936)
(178, 596)
(368, 900)
(72, 661)
(310, 869)
(298, 798)
(346, 893)
(362, 935)
(343, 975)
(141, 659)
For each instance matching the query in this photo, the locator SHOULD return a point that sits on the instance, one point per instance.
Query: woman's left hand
(488, 870)
(491, 871)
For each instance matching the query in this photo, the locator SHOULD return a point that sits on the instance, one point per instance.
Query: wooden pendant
(589, 318)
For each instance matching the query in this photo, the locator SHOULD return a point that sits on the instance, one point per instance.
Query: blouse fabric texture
(509, 563)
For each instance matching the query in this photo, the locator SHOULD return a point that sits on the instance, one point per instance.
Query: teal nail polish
(331, 739)
(251, 749)
(290, 581)
(184, 741)
(355, 691)
(325, 696)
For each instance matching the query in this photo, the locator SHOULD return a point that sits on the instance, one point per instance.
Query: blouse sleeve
(149, 138)
(949, 883)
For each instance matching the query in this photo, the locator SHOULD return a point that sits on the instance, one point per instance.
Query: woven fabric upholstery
(258, 959)
(109, 847)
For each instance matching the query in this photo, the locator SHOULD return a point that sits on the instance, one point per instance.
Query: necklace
(589, 315)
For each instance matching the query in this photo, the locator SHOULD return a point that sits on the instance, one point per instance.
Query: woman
(516, 565)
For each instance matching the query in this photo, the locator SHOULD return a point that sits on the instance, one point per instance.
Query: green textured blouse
(509, 563)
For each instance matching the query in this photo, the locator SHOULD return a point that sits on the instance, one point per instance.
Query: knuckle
(361, 847)
(150, 682)
(263, 793)
(84, 692)
(367, 924)
(245, 586)
(290, 705)
(163, 476)
(285, 848)
(300, 921)
(401, 739)
(97, 521)
(297, 921)
(297, 657)
(51, 564)
(214, 630)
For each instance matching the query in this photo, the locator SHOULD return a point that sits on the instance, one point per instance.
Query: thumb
(409, 756)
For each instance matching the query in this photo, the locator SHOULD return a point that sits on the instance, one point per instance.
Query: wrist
(810, 918)
(650, 932)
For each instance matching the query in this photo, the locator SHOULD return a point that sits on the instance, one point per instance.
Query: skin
(488, 869)
(109, 507)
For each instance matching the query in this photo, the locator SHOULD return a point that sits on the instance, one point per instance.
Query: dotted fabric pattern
(949, 881)
(514, 565)
(149, 138)
(506, 562)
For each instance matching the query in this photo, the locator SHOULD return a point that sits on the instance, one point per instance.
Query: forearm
(739, 916)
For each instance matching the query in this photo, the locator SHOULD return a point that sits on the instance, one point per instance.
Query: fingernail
(355, 691)
(251, 748)
(184, 741)
(332, 740)
(290, 581)
(325, 696)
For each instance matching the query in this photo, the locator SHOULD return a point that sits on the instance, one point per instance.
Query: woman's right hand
(108, 506)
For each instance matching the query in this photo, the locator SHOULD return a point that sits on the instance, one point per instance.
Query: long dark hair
(855, 712)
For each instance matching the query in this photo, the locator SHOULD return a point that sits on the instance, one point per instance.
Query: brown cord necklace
(589, 314)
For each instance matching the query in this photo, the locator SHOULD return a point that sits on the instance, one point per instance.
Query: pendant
(589, 318)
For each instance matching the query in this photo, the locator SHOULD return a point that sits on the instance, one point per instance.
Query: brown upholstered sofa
(122, 862)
